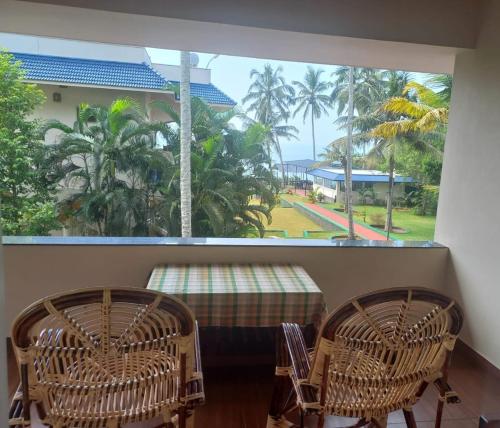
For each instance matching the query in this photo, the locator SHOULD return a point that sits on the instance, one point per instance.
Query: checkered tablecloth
(243, 295)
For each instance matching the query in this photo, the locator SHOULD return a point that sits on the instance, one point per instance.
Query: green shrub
(377, 219)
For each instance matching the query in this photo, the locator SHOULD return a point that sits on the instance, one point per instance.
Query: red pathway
(362, 231)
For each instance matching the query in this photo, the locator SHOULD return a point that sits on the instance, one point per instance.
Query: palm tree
(228, 170)
(384, 145)
(185, 152)
(312, 98)
(369, 89)
(108, 158)
(353, 90)
(420, 114)
(348, 169)
(270, 98)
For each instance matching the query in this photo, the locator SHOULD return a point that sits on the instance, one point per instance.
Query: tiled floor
(239, 397)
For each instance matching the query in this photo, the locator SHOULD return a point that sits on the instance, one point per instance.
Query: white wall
(173, 72)
(468, 219)
(327, 191)
(443, 22)
(380, 190)
(35, 271)
(72, 48)
(155, 31)
(72, 96)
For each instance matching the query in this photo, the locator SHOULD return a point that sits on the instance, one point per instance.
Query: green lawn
(417, 227)
(291, 220)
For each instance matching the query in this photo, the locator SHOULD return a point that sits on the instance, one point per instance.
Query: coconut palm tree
(109, 161)
(229, 168)
(312, 99)
(185, 152)
(348, 168)
(385, 144)
(353, 92)
(270, 98)
(369, 90)
(419, 114)
(376, 88)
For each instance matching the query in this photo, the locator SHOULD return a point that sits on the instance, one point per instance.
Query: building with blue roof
(72, 72)
(370, 185)
(110, 74)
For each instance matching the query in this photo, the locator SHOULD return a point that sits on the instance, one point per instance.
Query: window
(357, 185)
(123, 177)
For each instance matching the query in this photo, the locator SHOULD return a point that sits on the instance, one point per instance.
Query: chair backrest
(110, 341)
(375, 352)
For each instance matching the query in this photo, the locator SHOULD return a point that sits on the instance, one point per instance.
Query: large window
(110, 162)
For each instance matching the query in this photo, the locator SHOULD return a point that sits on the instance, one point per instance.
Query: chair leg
(439, 414)
(321, 420)
(379, 422)
(182, 417)
(410, 418)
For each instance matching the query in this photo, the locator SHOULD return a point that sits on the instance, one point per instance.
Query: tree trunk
(314, 137)
(388, 222)
(270, 159)
(186, 135)
(280, 155)
(348, 169)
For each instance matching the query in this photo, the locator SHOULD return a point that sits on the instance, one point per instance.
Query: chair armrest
(293, 354)
(296, 355)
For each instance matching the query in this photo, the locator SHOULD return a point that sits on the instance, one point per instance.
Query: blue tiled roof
(367, 178)
(91, 72)
(108, 73)
(209, 93)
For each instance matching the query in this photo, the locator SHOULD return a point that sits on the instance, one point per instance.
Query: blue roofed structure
(110, 74)
(47, 68)
(368, 176)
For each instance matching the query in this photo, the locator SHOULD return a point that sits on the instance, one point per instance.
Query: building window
(357, 185)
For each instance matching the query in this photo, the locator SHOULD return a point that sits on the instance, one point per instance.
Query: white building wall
(173, 72)
(469, 206)
(72, 97)
(73, 48)
(327, 191)
(380, 190)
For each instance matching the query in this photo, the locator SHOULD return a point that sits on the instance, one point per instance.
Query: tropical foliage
(209, 178)
(229, 171)
(399, 125)
(119, 183)
(109, 167)
(26, 192)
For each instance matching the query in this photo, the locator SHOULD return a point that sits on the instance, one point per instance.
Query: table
(243, 295)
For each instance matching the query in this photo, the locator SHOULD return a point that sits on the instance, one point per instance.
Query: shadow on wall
(453, 290)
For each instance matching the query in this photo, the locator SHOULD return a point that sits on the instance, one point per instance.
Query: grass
(291, 220)
(418, 228)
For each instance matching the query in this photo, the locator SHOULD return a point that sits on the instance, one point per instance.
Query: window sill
(219, 242)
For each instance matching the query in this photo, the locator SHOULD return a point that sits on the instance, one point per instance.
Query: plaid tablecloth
(243, 295)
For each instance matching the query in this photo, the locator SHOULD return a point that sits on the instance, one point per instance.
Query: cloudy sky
(231, 75)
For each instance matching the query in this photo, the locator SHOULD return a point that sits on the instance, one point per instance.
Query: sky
(231, 74)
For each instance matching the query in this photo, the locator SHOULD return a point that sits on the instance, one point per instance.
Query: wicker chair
(105, 357)
(374, 355)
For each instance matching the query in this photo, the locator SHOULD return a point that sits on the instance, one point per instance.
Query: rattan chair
(104, 357)
(374, 355)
